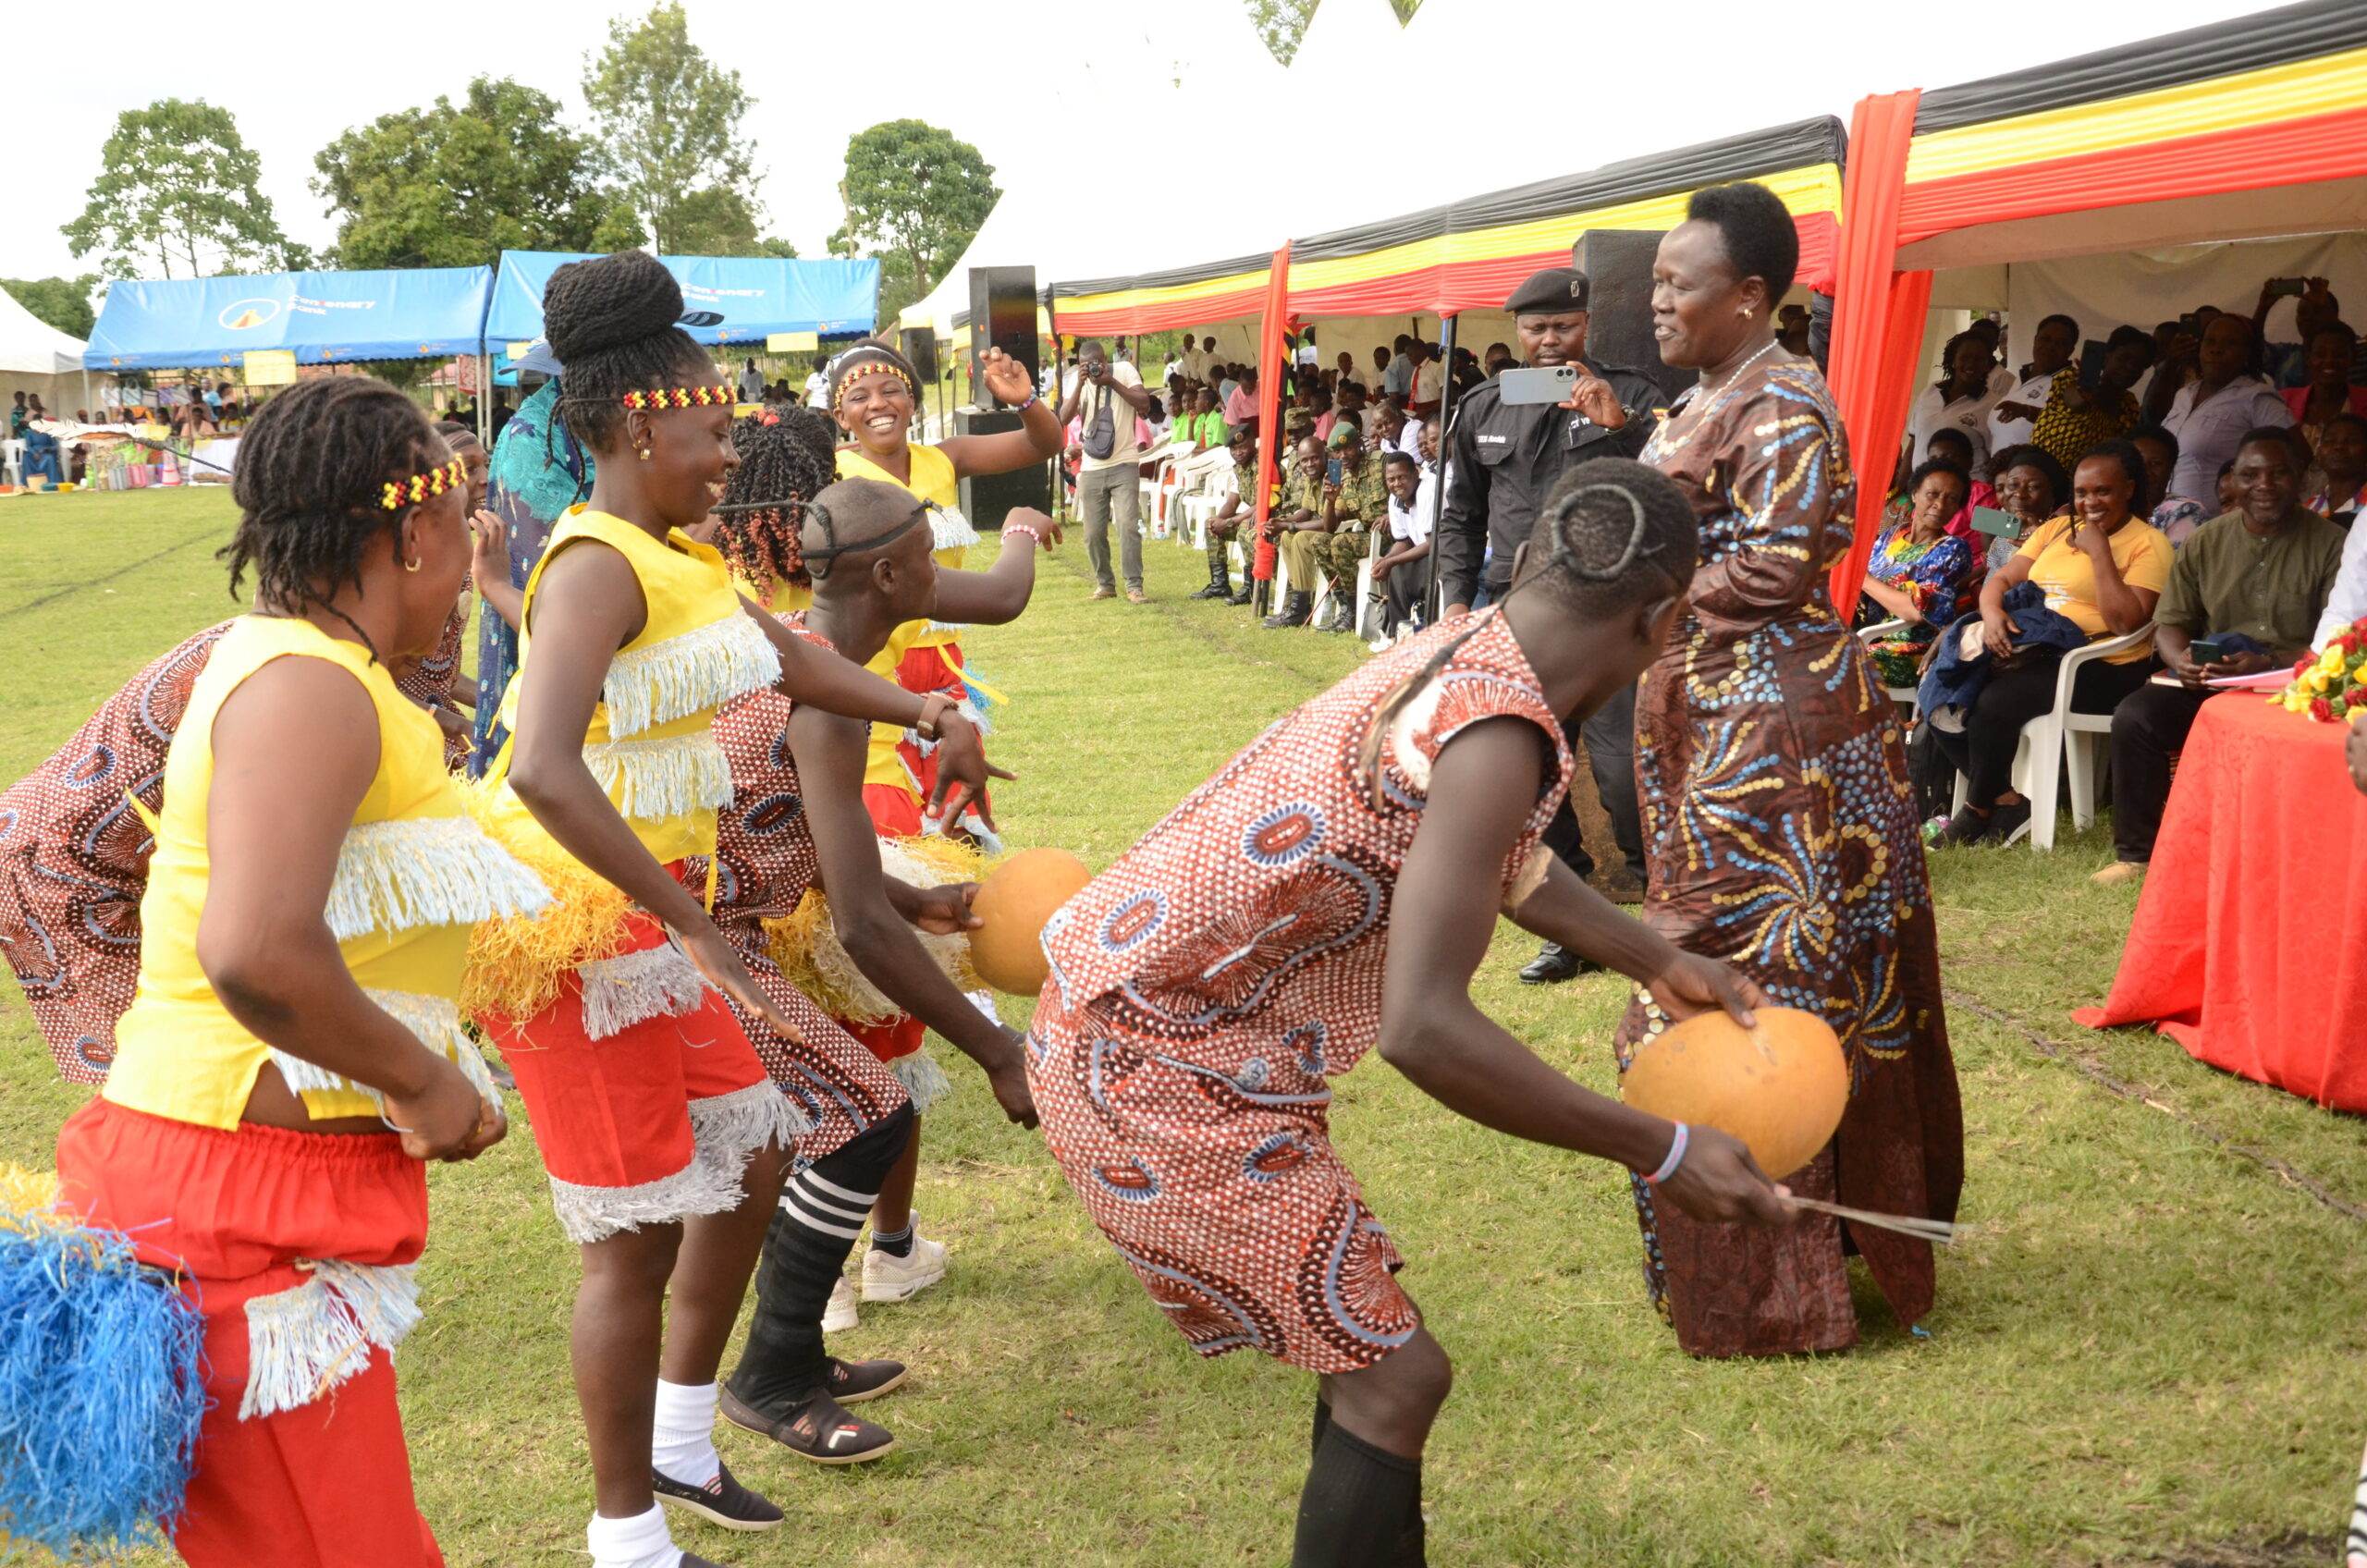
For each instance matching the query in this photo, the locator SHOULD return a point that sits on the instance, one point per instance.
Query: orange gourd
(1781, 1088)
(1013, 902)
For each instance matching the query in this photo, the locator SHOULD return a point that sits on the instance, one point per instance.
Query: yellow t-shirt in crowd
(2063, 571)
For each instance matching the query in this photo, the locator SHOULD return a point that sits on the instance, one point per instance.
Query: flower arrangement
(2331, 683)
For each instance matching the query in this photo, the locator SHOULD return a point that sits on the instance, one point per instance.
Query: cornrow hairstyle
(456, 434)
(610, 321)
(870, 354)
(311, 470)
(1613, 534)
(1761, 240)
(785, 461)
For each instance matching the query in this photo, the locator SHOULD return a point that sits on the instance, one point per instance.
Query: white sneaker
(838, 1316)
(889, 1278)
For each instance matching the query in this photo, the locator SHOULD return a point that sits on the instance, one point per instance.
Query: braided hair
(311, 470)
(785, 461)
(610, 321)
(1612, 534)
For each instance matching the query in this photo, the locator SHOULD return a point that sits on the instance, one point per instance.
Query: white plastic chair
(1367, 608)
(1869, 635)
(12, 462)
(2065, 734)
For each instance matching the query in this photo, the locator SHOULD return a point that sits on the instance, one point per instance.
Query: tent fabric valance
(756, 296)
(323, 317)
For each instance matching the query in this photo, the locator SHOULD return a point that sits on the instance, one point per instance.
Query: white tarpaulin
(30, 346)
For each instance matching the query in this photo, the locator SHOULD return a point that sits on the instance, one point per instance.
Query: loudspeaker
(988, 498)
(919, 344)
(1618, 264)
(1002, 315)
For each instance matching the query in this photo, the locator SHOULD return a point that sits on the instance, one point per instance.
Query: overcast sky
(1049, 88)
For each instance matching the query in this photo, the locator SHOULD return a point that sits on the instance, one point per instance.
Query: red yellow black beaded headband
(400, 493)
(682, 398)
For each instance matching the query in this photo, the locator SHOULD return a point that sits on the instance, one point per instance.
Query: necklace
(1708, 391)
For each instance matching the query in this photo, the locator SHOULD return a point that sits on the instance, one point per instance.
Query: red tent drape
(1877, 318)
(1272, 349)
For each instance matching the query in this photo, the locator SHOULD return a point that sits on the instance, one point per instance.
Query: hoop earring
(411, 566)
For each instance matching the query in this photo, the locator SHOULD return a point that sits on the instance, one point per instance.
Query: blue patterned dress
(1780, 827)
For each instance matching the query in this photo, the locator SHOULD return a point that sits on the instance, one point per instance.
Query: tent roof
(756, 296)
(326, 317)
(30, 346)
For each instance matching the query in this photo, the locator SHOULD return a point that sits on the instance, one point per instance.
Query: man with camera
(1507, 457)
(1105, 396)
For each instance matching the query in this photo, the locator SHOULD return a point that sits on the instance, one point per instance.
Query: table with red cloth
(2249, 946)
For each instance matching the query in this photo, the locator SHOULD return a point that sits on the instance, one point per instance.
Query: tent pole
(484, 396)
(1437, 490)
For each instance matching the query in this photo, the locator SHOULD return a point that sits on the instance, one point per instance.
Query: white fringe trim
(593, 1214)
(923, 1081)
(952, 530)
(435, 1021)
(703, 668)
(659, 982)
(730, 1128)
(304, 1342)
(426, 871)
(654, 780)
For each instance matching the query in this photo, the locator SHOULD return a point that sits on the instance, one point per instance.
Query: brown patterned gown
(1781, 832)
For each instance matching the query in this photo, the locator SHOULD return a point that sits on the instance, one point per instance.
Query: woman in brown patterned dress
(1778, 817)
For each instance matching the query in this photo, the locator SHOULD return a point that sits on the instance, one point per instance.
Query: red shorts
(298, 1247)
(645, 1095)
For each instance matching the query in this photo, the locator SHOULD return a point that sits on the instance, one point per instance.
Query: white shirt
(2004, 433)
(2347, 602)
(1932, 412)
(752, 387)
(2209, 435)
(818, 390)
(1429, 382)
(1413, 524)
(1196, 365)
(1127, 446)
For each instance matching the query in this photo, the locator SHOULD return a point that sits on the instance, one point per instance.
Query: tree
(669, 124)
(176, 190)
(63, 302)
(718, 221)
(451, 186)
(1281, 23)
(915, 197)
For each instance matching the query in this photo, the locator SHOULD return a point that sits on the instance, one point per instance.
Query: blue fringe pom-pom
(102, 1390)
(982, 702)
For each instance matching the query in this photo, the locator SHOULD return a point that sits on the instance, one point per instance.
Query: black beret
(1551, 292)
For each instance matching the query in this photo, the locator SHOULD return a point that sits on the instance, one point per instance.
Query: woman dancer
(306, 920)
(1779, 820)
(1331, 890)
(664, 1138)
(873, 393)
(798, 820)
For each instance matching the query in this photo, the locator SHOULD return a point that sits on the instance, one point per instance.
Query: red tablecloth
(2249, 946)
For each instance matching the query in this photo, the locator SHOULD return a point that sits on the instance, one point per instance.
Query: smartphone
(1996, 522)
(2206, 650)
(2092, 362)
(2287, 285)
(1542, 384)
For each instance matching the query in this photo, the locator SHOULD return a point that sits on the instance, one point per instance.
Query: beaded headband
(682, 398)
(398, 494)
(865, 359)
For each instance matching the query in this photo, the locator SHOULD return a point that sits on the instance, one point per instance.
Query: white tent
(37, 358)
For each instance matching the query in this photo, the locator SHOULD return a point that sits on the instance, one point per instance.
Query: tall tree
(914, 196)
(669, 124)
(454, 186)
(177, 193)
(718, 221)
(1281, 23)
(63, 302)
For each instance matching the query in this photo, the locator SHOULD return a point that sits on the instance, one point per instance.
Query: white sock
(681, 1444)
(641, 1542)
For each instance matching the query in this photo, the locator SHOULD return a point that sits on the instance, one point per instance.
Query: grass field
(2147, 1349)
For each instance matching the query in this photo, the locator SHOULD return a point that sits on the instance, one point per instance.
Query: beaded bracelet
(1033, 398)
(1675, 1157)
(1009, 527)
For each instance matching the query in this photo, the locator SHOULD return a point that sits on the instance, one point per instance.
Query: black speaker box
(987, 499)
(1618, 264)
(1002, 315)
(919, 344)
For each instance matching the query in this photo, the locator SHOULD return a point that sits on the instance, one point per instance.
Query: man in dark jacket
(1506, 459)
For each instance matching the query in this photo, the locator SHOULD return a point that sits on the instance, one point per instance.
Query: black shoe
(1967, 827)
(851, 1382)
(1219, 583)
(1242, 594)
(2005, 821)
(721, 1502)
(814, 1429)
(1340, 620)
(1297, 608)
(1555, 963)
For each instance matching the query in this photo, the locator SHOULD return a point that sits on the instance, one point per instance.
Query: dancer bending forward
(1331, 890)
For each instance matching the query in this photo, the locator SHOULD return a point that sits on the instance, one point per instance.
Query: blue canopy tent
(756, 296)
(326, 317)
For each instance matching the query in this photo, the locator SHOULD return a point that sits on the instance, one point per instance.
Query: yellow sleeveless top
(412, 877)
(651, 743)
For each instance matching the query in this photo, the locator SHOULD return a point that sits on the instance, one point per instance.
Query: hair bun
(600, 304)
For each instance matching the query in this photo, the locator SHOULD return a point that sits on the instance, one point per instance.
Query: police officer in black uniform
(1507, 457)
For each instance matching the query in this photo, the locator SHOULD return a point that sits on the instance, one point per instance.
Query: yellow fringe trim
(28, 1201)
(515, 964)
(806, 947)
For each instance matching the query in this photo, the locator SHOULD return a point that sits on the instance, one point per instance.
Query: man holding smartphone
(1505, 458)
(1105, 395)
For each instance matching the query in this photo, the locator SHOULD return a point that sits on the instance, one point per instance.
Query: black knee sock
(1362, 1507)
(821, 1213)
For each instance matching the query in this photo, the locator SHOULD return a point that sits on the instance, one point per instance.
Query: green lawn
(2149, 1348)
